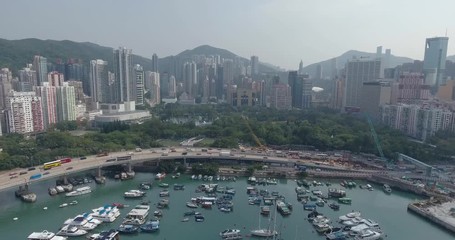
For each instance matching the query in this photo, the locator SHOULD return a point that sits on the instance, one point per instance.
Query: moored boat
(45, 235)
(151, 226)
(345, 200)
(107, 213)
(263, 233)
(71, 231)
(137, 216)
(79, 191)
(105, 235)
(191, 205)
(134, 194)
(128, 229)
(368, 235)
(229, 233)
(387, 188)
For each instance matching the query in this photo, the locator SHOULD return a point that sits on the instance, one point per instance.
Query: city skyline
(363, 25)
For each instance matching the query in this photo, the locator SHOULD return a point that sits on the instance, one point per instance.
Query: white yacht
(134, 194)
(368, 235)
(81, 223)
(263, 233)
(79, 191)
(105, 235)
(349, 216)
(353, 222)
(106, 213)
(320, 219)
(229, 233)
(71, 231)
(44, 235)
(138, 215)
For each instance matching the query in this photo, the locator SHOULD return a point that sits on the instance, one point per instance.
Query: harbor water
(389, 210)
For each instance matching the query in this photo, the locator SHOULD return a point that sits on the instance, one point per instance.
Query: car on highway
(13, 173)
(15, 176)
(83, 158)
(111, 160)
(22, 173)
(46, 173)
(69, 168)
(31, 168)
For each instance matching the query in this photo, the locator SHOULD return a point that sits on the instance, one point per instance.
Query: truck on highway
(35, 176)
(225, 153)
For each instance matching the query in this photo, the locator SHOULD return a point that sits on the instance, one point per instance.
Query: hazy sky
(280, 32)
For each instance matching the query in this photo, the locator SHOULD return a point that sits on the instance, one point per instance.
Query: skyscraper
(358, 72)
(280, 97)
(40, 66)
(190, 78)
(434, 62)
(99, 81)
(124, 84)
(172, 87)
(5, 85)
(139, 77)
(301, 67)
(254, 65)
(154, 63)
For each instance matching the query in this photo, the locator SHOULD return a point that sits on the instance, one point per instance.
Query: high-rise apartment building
(40, 66)
(48, 96)
(172, 87)
(412, 89)
(99, 82)
(434, 62)
(6, 78)
(66, 103)
(124, 84)
(27, 79)
(357, 73)
(139, 77)
(228, 72)
(23, 113)
(374, 94)
(280, 96)
(55, 78)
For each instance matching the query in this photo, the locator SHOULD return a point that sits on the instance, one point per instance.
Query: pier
(438, 211)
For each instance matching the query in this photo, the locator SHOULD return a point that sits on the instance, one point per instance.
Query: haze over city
(279, 32)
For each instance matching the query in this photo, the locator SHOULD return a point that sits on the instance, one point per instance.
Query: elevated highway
(8, 180)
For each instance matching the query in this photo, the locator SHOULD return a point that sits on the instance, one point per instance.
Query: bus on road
(52, 164)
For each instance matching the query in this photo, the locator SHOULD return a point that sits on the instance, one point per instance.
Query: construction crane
(377, 143)
(253, 135)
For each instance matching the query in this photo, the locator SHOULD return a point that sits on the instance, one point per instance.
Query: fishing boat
(63, 205)
(199, 218)
(44, 235)
(334, 206)
(282, 208)
(345, 200)
(128, 229)
(163, 185)
(79, 191)
(151, 226)
(185, 219)
(164, 193)
(265, 210)
(191, 213)
(179, 187)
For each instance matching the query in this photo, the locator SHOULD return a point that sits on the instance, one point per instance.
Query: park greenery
(321, 129)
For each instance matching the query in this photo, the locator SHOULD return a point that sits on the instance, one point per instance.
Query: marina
(389, 210)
